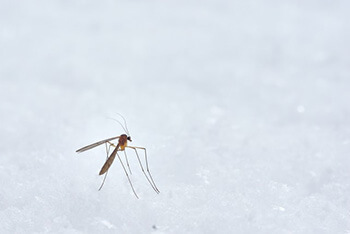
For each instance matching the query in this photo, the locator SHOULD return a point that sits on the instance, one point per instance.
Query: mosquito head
(125, 137)
(129, 138)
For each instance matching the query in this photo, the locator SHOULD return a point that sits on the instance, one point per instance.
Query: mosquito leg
(147, 167)
(107, 152)
(149, 181)
(132, 187)
(109, 147)
(149, 173)
(103, 182)
(127, 162)
(110, 144)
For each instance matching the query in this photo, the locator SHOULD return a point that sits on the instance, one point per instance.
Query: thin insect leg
(109, 147)
(149, 181)
(147, 167)
(107, 152)
(127, 162)
(127, 176)
(111, 144)
(149, 173)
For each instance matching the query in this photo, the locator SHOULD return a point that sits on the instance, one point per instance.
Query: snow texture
(243, 107)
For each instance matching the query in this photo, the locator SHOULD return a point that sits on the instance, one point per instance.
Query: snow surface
(243, 107)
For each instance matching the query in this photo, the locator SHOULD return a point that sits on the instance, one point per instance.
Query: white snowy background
(243, 107)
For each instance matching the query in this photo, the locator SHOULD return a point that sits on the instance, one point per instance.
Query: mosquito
(121, 146)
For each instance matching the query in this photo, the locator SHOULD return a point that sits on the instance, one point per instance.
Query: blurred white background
(243, 107)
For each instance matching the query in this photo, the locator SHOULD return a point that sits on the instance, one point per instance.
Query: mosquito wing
(96, 144)
(109, 161)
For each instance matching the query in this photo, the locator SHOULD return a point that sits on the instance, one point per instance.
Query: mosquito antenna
(126, 126)
(120, 124)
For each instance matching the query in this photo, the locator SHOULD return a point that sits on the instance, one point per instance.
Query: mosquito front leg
(153, 184)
